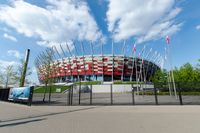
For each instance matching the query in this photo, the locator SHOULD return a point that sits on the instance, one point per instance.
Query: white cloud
(198, 27)
(143, 19)
(5, 29)
(14, 53)
(4, 64)
(57, 46)
(9, 37)
(59, 21)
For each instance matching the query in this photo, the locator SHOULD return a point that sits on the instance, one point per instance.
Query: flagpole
(122, 76)
(91, 45)
(133, 61)
(142, 67)
(112, 62)
(69, 60)
(141, 64)
(136, 71)
(83, 60)
(147, 64)
(63, 59)
(152, 66)
(171, 69)
(168, 74)
(102, 62)
(76, 53)
(150, 63)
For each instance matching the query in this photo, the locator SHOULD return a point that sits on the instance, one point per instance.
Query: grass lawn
(167, 93)
(41, 89)
(127, 82)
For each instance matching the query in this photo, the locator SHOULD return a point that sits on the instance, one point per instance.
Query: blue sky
(32, 24)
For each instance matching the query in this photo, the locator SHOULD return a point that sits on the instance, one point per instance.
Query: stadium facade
(99, 68)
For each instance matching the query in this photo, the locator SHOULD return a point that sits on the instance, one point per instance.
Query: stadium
(104, 68)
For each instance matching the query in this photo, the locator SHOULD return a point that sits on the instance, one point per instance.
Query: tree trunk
(45, 92)
(50, 94)
(6, 85)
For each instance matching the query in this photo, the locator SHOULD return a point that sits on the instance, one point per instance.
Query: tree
(198, 66)
(47, 69)
(187, 73)
(8, 76)
(1, 79)
(160, 76)
(20, 69)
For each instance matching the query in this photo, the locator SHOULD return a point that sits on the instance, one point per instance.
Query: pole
(23, 76)
(136, 70)
(123, 50)
(69, 61)
(171, 68)
(92, 60)
(83, 60)
(133, 98)
(63, 61)
(91, 94)
(76, 61)
(111, 94)
(133, 51)
(102, 62)
(169, 83)
(146, 72)
(112, 61)
(141, 61)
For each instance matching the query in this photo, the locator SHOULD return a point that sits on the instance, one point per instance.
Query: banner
(21, 94)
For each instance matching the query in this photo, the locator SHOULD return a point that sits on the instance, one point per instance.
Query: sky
(38, 24)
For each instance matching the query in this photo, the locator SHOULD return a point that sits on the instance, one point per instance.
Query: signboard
(58, 90)
(21, 94)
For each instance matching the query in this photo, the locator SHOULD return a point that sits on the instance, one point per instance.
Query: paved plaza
(98, 119)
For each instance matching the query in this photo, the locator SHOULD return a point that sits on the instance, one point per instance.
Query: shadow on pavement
(44, 115)
(21, 122)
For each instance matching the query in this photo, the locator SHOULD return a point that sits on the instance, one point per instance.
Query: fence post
(111, 94)
(69, 96)
(91, 94)
(180, 95)
(155, 94)
(72, 95)
(133, 96)
(30, 96)
(79, 96)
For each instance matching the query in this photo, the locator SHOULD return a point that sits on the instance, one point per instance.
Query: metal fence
(130, 94)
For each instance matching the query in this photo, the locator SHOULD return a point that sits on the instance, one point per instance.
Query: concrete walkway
(99, 119)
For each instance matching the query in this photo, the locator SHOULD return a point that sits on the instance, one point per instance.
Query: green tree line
(187, 76)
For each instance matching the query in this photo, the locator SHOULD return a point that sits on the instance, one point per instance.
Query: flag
(167, 39)
(139, 55)
(142, 61)
(134, 48)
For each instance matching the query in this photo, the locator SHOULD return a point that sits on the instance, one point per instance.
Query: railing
(125, 94)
